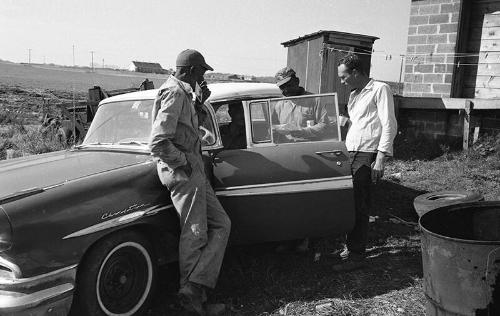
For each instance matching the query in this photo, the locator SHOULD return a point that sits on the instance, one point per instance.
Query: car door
(281, 188)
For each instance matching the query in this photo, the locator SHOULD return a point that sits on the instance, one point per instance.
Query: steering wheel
(207, 138)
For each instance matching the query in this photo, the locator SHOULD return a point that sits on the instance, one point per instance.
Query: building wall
(432, 38)
(438, 124)
(443, 126)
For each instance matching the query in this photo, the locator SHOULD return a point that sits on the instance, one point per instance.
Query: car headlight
(5, 231)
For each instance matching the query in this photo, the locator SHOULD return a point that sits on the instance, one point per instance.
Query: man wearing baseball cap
(305, 119)
(308, 118)
(176, 146)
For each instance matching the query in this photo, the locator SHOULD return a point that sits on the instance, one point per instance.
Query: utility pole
(73, 55)
(103, 63)
(92, 63)
(44, 59)
(29, 55)
(400, 73)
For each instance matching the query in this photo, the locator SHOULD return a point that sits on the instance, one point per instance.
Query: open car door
(285, 186)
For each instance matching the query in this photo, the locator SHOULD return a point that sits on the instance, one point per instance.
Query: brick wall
(432, 36)
(432, 128)
(435, 124)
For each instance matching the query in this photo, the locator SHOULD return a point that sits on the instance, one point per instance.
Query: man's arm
(319, 129)
(165, 126)
(385, 109)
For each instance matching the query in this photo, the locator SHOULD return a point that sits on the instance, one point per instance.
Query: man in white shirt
(369, 141)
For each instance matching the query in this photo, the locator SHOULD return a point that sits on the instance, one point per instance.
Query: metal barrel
(461, 259)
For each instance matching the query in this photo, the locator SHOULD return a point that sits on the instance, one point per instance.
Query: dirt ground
(256, 280)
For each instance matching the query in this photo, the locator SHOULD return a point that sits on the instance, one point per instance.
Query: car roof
(220, 92)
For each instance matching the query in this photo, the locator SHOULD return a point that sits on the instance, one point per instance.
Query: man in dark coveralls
(176, 146)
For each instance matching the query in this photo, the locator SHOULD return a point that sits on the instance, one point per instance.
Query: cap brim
(283, 81)
(207, 67)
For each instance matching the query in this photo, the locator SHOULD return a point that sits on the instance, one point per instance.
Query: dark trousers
(361, 175)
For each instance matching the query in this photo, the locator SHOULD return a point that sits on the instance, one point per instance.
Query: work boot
(191, 297)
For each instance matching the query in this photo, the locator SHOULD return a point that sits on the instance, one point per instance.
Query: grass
(23, 141)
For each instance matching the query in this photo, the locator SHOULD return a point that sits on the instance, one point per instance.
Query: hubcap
(124, 279)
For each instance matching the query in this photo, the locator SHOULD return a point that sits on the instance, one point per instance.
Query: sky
(235, 36)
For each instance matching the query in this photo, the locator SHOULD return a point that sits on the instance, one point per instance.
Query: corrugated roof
(321, 33)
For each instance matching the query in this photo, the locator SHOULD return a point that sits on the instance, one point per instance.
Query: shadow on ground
(256, 280)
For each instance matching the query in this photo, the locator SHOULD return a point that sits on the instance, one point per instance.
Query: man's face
(346, 76)
(290, 88)
(198, 73)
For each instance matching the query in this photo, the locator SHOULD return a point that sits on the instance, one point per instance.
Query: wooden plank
(466, 118)
(489, 57)
(489, 33)
(486, 93)
(490, 46)
(476, 134)
(488, 69)
(314, 62)
(491, 20)
(486, 104)
(347, 42)
(430, 103)
(491, 81)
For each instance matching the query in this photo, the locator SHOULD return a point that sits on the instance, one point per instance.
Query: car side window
(304, 118)
(260, 122)
(295, 119)
(231, 120)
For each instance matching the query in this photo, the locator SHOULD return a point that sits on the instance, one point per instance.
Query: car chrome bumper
(46, 294)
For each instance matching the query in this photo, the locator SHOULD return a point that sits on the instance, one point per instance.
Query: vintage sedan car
(85, 229)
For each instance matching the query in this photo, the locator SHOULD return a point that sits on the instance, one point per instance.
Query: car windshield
(129, 123)
(124, 122)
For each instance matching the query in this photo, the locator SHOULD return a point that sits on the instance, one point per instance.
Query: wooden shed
(315, 56)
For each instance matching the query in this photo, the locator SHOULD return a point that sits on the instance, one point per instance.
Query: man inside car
(297, 120)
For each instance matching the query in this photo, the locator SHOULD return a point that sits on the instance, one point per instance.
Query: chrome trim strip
(324, 184)
(38, 277)
(308, 181)
(118, 221)
(20, 195)
(12, 266)
(18, 300)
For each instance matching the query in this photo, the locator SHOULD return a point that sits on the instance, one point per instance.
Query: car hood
(41, 171)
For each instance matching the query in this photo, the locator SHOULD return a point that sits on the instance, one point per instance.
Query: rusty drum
(461, 259)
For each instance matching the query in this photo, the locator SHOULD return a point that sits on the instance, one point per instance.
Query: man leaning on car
(176, 146)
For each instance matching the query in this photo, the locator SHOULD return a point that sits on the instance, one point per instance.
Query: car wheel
(429, 201)
(116, 277)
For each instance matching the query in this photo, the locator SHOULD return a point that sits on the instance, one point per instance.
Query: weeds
(28, 141)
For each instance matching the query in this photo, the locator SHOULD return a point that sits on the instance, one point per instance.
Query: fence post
(467, 123)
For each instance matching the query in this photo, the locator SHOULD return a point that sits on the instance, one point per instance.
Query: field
(256, 280)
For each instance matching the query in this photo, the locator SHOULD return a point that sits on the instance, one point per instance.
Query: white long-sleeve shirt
(373, 122)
